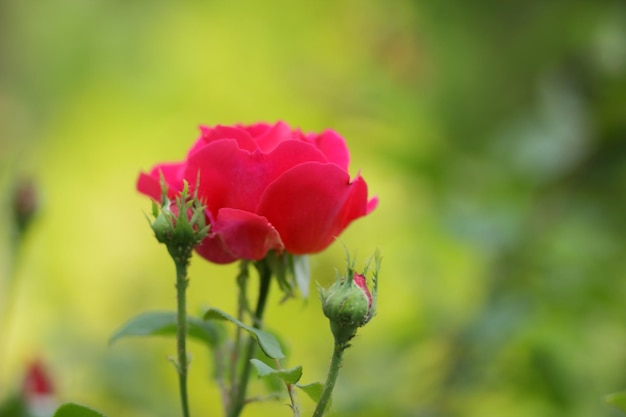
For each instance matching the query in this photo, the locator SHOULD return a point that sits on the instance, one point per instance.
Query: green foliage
(291, 272)
(268, 343)
(76, 410)
(14, 406)
(163, 323)
(290, 376)
(313, 390)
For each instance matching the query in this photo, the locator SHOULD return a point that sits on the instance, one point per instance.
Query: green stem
(265, 275)
(333, 372)
(292, 398)
(242, 307)
(181, 334)
(292, 393)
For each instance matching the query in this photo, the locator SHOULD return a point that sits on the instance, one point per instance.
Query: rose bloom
(266, 187)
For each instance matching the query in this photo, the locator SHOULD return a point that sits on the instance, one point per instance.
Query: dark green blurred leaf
(76, 410)
(268, 343)
(290, 376)
(13, 406)
(163, 323)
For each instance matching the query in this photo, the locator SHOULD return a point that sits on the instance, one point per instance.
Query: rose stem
(265, 275)
(333, 372)
(242, 307)
(291, 392)
(181, 334)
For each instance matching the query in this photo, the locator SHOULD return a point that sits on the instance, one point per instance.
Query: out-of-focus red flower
(38, 390)
(37, 382)
(266, 187)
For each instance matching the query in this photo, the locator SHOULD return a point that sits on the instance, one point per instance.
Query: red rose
(266, 187)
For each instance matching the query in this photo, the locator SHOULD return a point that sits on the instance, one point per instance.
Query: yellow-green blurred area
(494, 134)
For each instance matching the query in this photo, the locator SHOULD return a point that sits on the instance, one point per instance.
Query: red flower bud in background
(266, 187)
(38, 391)
(37, 382)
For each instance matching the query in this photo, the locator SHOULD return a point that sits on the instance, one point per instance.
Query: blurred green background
(494, 134)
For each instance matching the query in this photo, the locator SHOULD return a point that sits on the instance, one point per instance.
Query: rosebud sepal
(180, 224)
(350, 303)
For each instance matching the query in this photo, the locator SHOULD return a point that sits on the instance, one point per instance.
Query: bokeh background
(494, 134)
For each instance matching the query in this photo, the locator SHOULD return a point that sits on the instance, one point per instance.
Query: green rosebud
(180, 224)
(350, 303)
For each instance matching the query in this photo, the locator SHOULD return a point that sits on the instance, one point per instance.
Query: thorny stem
(239, 395)
(333, 372)
(181, 334)
(242, 307)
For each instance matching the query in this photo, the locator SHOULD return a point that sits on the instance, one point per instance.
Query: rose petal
(211, 134)
(238, 234)
(256, 129)
(361, 282)
(150, 184)
(291, 153)
(372, 204)
(271, 138)
(355, 206)
(311, 204)
(235, 178)
(222, 167)
(334, 147)
(213, 249)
